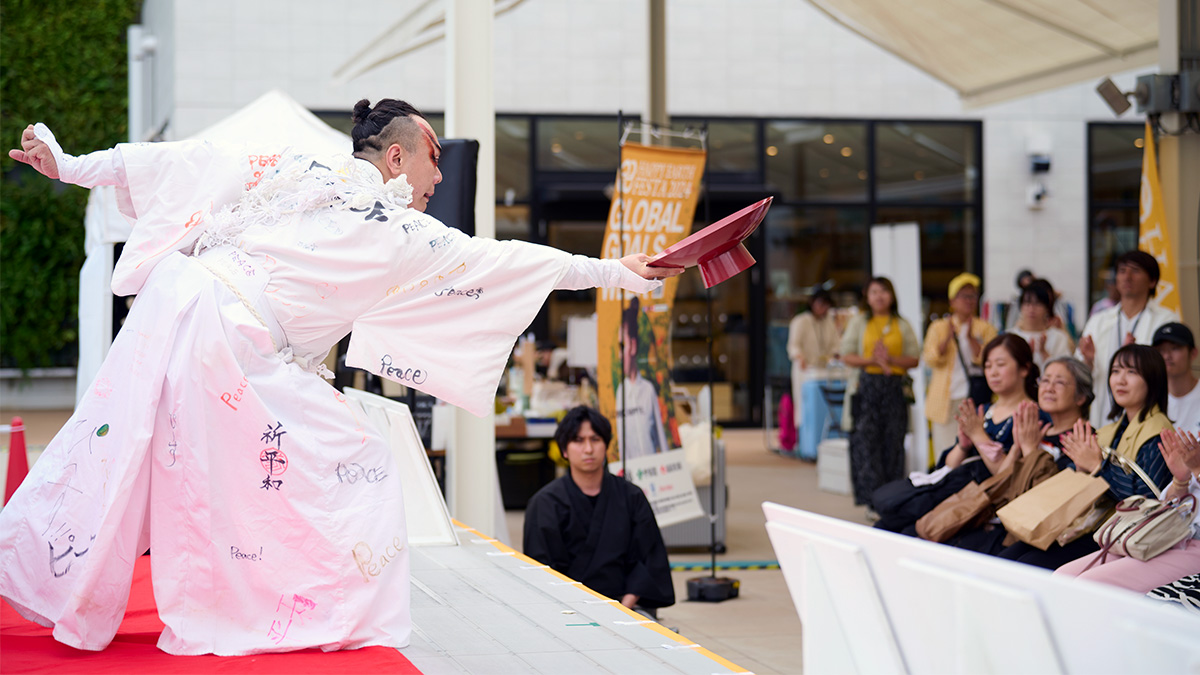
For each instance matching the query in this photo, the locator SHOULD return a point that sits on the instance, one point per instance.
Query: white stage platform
(481, 607)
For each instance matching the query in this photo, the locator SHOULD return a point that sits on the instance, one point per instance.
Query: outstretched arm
(40, 150)
(631, 273)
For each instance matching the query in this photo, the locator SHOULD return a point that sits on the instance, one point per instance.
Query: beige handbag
(1103, 509)
(1142, 527)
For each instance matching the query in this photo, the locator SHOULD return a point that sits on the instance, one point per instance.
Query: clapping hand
(1082, 447)
(1028, 430)
(1087, 349)
(970, 419)
(881, 356)
(1181, 452)
(1038, 344)
(976, 345)
(35, 153)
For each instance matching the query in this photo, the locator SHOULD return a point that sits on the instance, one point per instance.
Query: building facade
(842, 133)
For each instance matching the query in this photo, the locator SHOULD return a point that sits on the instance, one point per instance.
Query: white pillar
(656, 67)
(135, 121)
(471, 113)
(1179, 169)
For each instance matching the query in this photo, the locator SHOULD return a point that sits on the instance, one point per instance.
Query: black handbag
(977, 387)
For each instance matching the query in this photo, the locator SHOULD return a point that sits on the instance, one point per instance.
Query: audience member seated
(1133, 320)
(1039, 325)
(953, 347)
(1137, 381)
(595, 527)
(986, 431)
(1008, 364)
(1064, 393)
(1181, 453)
(1178, 348)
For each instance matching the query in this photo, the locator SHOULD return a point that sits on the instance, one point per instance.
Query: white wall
(1051, 241)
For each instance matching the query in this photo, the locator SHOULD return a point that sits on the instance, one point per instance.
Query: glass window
(512, 160)
(947, 245)
(732, 145)
(1114, 184)
(809, 246)
(1115, 162)
(584, 238)
(577, 144)
(512, 222)
(817, 161)
(925, 162)
(733, 395)
(806, 247)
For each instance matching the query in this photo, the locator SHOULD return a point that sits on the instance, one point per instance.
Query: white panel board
(896, 254)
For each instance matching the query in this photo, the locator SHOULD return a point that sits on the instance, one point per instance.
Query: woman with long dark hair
(883, 347)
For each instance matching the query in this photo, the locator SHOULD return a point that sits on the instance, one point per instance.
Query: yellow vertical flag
(1153, 236)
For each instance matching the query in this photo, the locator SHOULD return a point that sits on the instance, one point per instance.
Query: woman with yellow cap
(952, 349)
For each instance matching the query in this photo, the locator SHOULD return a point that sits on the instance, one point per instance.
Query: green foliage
(63, 63)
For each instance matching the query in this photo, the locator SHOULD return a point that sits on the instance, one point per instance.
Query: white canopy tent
(273, 119)
(994, 50)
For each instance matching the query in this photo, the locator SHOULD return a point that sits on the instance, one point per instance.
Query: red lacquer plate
(718, 248)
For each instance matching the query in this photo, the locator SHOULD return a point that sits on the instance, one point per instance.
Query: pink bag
(787, 423)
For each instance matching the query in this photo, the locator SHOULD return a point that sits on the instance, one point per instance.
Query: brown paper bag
(1038, 516)
(959, 510)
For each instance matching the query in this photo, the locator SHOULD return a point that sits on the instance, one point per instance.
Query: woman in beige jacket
(960, 333)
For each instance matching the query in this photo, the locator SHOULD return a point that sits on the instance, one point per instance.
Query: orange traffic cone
(18, 461)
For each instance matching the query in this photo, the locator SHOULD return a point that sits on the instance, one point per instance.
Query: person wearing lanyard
(1133, 320)
(884, 347)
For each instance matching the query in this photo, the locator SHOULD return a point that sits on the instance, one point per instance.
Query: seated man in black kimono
(595, 527)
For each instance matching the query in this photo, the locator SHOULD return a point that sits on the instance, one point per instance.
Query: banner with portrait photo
(653, 207)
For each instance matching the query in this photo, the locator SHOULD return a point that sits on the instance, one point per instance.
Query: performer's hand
(637, 263)
(35, 153)
(630, 599)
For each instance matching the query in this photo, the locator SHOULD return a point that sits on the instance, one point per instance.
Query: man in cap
(1178, 348)
(1134, 319)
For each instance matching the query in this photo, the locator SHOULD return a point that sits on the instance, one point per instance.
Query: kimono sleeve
(543, 537)
(650, 574)
(173, 190)
(449, 330)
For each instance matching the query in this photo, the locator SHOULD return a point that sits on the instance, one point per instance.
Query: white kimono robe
(207, 434)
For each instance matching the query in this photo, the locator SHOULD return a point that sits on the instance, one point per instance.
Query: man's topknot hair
(369, 122)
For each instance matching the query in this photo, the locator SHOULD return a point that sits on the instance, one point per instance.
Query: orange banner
(652, 209)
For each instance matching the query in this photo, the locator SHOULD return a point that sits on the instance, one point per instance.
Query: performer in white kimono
(208, 432)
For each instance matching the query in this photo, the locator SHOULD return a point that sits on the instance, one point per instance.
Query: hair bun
(361, 110)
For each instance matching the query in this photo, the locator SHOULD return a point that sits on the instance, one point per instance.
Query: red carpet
(28, 648)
